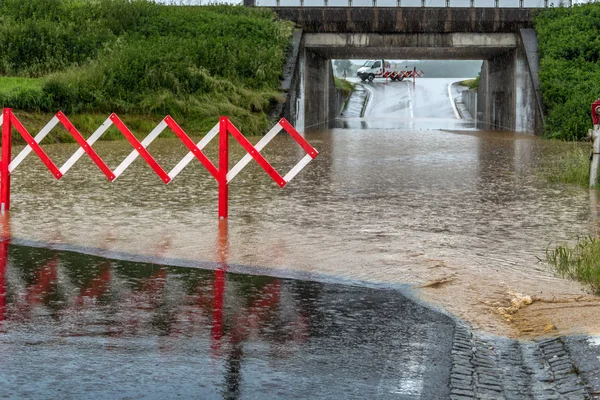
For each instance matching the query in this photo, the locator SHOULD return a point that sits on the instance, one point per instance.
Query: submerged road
(314, 291)
(409, 104)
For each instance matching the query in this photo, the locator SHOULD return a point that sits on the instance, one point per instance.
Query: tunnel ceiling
(445, 46)
(408, 53)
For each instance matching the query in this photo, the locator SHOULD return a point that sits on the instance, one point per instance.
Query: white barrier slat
(297, 168)
(38, 138)
(190, 156)
(1, 118)
(259, 146)
(91, 140)
(134, 154)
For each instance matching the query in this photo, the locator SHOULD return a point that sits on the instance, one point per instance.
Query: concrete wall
(444, 46)
(507, 97)
(320, 104)
(469, 99)
(407, 19)
(496, 93)
(290, 86)
(529, 45)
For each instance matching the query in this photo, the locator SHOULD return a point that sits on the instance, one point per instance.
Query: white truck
(383, 69)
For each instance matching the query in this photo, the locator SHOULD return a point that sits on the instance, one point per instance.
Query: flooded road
(464, 214)
(77, 326)
(411, 104)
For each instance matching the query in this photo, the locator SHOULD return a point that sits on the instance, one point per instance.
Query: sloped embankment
(141, 59)
(569, 47)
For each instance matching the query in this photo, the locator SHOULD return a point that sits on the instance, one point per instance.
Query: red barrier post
(223, 167)
(6, 157)
(4, 242)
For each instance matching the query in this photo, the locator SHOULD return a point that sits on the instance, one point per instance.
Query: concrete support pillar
(319, 91)
(525, 96)
(496, 93)
(506, 94)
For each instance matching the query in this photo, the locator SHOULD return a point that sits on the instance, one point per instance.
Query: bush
(144, 57)
(569, 46)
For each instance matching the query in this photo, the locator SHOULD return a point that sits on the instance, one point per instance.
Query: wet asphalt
(79, 326)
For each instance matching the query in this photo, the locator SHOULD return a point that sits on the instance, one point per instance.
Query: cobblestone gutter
(499, 368)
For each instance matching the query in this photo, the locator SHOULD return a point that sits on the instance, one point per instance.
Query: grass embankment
(343, 85)
(470, 83)
(580, 261)
(569, 47)
(140, 59)
(571, 167)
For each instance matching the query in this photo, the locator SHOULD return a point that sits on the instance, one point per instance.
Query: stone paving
(486, 367)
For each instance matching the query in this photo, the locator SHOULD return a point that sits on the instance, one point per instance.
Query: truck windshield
(369, 63)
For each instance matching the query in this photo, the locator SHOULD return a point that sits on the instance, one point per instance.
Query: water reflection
(248, 336)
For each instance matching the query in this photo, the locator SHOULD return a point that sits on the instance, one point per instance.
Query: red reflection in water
(219, 286)
(147, 306)
(4, 242)
(45, 282)
(96, 287)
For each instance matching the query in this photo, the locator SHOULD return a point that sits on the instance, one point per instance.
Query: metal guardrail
(409, 3)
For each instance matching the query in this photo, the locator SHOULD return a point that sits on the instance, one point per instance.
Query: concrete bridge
(508, 97)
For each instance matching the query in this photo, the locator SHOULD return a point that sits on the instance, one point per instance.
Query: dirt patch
(515, 307)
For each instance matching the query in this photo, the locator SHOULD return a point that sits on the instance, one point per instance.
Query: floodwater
(438, 202)
(79, 326)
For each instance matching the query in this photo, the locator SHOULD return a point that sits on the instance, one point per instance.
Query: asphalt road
(422, 103)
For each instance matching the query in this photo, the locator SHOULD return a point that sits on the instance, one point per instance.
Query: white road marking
(370, 101)
(410, 103)
(452, 101)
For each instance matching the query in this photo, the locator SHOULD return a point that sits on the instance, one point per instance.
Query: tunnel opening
(406, 94)
(508, 97)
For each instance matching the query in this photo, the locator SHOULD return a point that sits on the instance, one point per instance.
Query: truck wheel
(371, 77)
(401, 78)
(363, 79)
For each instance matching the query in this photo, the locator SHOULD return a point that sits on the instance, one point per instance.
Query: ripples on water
(371, 198)
(73, 325)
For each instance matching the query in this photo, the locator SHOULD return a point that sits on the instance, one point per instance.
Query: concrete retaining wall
(469, 98)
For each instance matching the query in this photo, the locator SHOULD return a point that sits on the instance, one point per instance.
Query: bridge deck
(408, 20)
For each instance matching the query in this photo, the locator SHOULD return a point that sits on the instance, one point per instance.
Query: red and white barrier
(222, 174)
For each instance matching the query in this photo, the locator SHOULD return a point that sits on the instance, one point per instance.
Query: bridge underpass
(508, 97)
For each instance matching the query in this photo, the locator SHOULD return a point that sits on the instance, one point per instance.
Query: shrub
(143, 57)
(569, 46)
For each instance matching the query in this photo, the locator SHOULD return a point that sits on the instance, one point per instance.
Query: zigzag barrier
(222, 174)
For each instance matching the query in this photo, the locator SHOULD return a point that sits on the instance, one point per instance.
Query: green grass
(569, 49)
(12, 84)
(470, 83)
(142, 59)
(343, 85)
(571, 167)
(580, 261)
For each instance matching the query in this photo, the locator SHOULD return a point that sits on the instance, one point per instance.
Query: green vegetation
(580, 261)
(343, 85)
(471, 83)
(570, 167)
(143, 60)
(569, 46)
